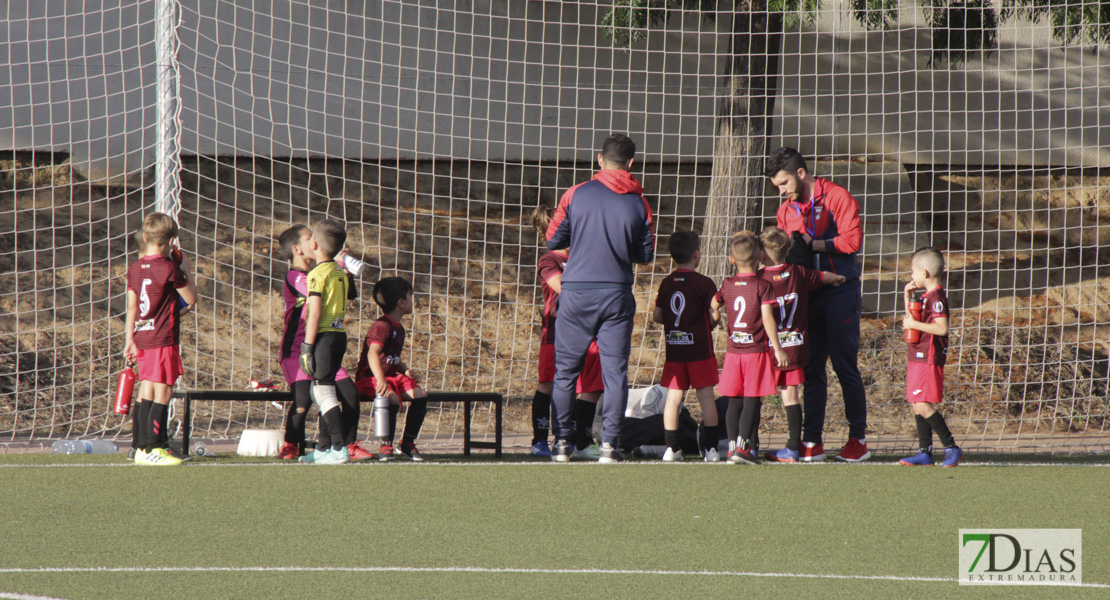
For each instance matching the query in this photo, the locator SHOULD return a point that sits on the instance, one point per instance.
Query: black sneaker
(610, 454)
(179, 456)
(562, 451)
(409, 450)
(131, 453)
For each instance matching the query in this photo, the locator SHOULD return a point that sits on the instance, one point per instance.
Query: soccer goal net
(433, 129)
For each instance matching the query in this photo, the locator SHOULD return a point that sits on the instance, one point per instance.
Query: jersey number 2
(740, 305)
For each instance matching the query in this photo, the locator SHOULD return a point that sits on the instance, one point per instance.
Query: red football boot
(357, 452)
(289, 451)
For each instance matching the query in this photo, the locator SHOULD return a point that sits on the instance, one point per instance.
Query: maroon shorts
(924, 382)
(398, 383)
(590, 378)
(685, 375)
(750, 374)
(160, 365)
(785, 379)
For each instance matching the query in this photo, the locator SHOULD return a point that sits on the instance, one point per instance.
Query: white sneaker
(334, 457)
(672, 456)
(711, 455)
(591, 452)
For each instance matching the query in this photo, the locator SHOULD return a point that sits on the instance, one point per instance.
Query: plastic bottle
(353, 265)
(84, 447)
(381, 416)
(913, 335)
(200, 449)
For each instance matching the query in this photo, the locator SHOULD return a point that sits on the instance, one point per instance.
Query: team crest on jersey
(741, 338)
(680, 338)
(789, 339)
(938, 307)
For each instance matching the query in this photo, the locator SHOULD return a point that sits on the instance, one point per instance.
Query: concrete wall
(520, 80)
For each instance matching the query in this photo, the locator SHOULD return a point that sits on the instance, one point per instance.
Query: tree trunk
(739, 146)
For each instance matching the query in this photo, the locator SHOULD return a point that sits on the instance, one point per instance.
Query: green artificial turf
(662, 521)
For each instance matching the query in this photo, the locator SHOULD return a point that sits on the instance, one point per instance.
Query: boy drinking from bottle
(925, 370)
(325, 338)
(295, 244)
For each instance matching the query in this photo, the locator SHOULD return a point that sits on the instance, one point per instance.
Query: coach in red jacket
(606, 223)
(827, 217)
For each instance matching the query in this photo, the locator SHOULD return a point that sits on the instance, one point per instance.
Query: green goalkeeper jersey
(331, 283)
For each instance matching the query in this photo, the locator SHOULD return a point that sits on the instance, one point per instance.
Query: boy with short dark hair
(792, 285)
(685, 308)
(550, 268)
(294, 245)
(748, 372)
(381, 372)
(325, 338)
(925, 370)
(155, 285)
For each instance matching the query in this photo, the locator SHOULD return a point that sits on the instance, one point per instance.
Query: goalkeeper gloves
(308, 359)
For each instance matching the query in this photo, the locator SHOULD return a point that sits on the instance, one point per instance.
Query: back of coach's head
(617, 152)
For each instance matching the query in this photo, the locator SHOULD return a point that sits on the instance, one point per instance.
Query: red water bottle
(124, 391)
(913, 335)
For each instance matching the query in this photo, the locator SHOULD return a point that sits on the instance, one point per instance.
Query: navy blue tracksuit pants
(584, 314)
(834, 334)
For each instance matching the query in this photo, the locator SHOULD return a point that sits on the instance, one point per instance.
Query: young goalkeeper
(925, 370)
(325, 338)
(295, 244)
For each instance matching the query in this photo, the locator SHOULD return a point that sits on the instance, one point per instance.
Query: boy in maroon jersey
(686, 309)
(925, 370)
(590, 384)
(381, 371)
(152, 332)
(296, 247)
(792, 285)
(748, 373)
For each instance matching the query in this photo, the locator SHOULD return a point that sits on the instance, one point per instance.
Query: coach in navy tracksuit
(827, 217)
(606, 222)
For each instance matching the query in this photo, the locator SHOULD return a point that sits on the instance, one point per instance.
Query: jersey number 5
(144, 299)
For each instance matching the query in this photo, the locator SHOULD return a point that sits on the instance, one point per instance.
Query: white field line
(9, 596)
(540, 463)
(485, 570)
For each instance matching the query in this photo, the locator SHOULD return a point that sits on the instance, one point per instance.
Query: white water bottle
(353, 265)
(84, 447)
(381, 416)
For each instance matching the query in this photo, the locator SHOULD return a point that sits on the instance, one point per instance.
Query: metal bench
(467, 398)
